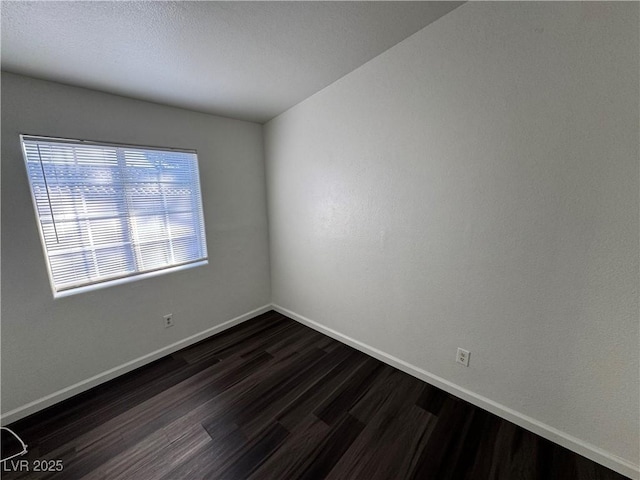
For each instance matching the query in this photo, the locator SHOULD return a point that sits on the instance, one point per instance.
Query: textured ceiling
(247, 60)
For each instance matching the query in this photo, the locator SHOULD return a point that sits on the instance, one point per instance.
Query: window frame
(125, 278)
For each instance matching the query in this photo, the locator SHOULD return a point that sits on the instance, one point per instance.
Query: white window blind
(109, 212)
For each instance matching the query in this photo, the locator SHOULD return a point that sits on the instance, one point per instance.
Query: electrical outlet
(168, 320)
(463, 357)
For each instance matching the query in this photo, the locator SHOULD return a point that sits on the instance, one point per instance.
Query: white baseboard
(574, 444)
(52, 399)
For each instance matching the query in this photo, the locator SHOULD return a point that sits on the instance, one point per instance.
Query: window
(110, 213)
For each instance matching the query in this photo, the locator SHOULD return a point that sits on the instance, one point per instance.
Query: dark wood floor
(272, 399)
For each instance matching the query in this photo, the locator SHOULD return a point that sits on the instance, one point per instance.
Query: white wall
(477, 185)
(48, 344)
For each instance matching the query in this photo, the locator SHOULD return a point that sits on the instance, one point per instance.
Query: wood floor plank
(208, 458)
(271, 403)
(254, 453)
(225, 405)
(272, 399)
(395, 423)
(332, 447)
(432, 399)
(322, 389)
(176, 401)
(180, 449)
(355, 387)
(273, 387)
(392, 389)
(290, 460)
(135, 462)
(374, 453)
(452, 420)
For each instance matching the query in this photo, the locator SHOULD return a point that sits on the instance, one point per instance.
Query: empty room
(306, 240)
